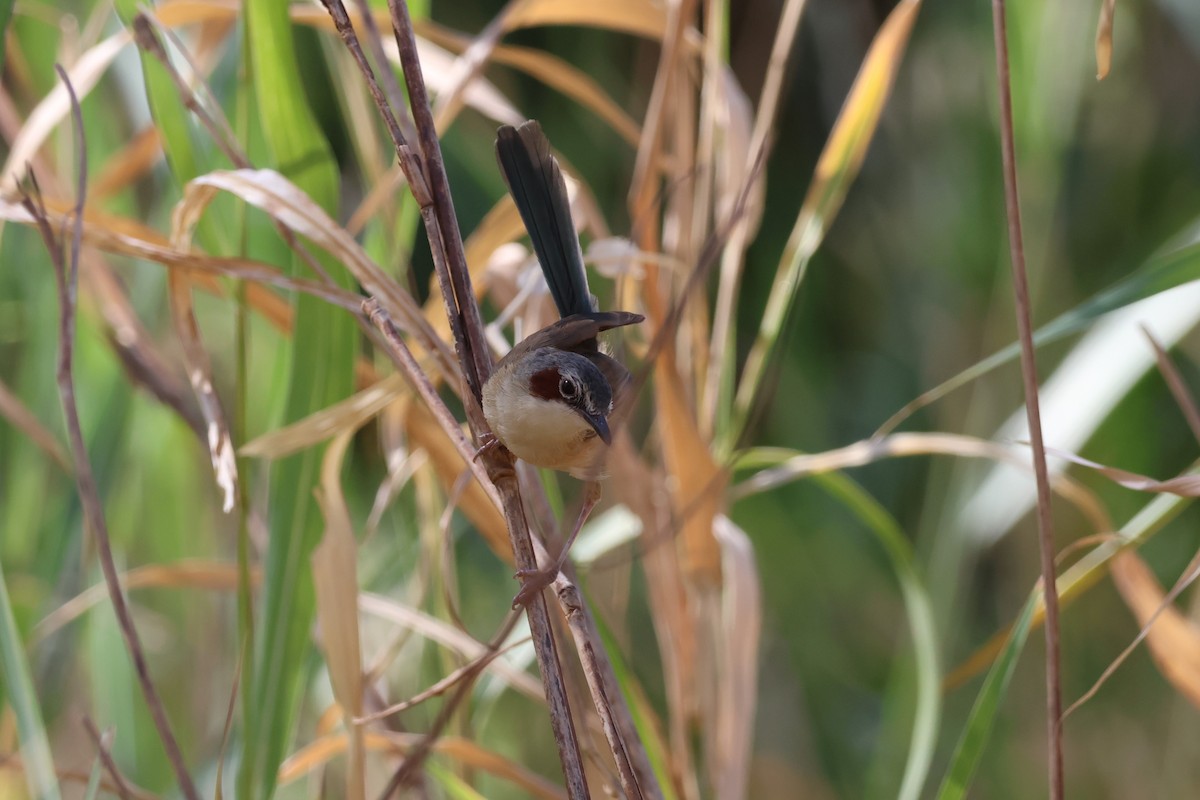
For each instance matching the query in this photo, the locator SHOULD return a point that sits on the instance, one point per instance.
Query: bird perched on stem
(551, 399)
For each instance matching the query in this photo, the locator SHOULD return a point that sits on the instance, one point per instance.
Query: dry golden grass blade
(472, 755)
(348, 415)
(445, 634)
(738, 626)
(218, 438)
(1176, 384)
(836, 169)
(1079, 577)
(572, 82)
(182, 575)
(639, 17)
(56, 105)
(438, 67)
(700, 483)
(789, 467)
(316, 754)
(645, 493)
(123, 236)
(463, 74)
(335, 580)
(177, 13)
(1173, 639)
(1187, 485)
(553, 72)
(128, 165)
(722, 346)
(1104, 34)
(735, 156)
(274, 194)
(442, 77)
(481, 507)
(21, 418)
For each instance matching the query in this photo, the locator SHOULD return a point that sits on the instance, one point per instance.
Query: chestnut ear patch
(544, 384)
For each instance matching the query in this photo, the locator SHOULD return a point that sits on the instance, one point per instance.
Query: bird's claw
(533, 581)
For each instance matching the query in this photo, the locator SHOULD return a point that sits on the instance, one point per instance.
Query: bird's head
(572, 382)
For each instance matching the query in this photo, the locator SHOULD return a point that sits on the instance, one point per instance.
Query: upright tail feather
(536, 183)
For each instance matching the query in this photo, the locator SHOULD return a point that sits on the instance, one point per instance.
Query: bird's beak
(600, 425)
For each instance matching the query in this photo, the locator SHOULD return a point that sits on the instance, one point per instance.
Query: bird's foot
(532, 583)
(487, 441)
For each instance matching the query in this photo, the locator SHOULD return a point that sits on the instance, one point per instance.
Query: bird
(552, 400)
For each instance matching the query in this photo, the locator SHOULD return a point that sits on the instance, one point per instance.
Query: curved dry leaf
(1173, 639)
(347, 415)
(55, 106)
(1175, 383)
(733, 169)
(335, 581)
(572, 82)
(25, 421)
(639, 17)
(439, 67)
(199, 370)
(1183, 485)
(699, 481)
(182, 575)
(445, 634)
(272, 193)
(553, 72)
(128, 164)
(315, 754)
(126, 237)
(1104, 34)
(738, 630)
(176, 13)
(792, 467)
(1078, 578)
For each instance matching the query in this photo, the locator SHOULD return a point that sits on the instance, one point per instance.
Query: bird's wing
(576, 333)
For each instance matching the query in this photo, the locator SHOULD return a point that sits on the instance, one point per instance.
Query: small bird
(551, 399)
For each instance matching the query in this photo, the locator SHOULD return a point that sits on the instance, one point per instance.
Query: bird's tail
(536, 183)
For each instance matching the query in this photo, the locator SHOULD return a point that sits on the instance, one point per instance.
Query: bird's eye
(568, 389)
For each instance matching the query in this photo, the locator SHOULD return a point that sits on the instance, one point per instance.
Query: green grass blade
(638, 710)
(983, 714)
(170, 116)
(93, 784)
(6, 7)
(35, 749)
(321, 372)
(919, 611)
(1162, 272)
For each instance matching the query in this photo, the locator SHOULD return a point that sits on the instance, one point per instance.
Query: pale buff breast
(546, 434)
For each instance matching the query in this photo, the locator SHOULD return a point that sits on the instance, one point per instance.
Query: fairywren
(550, 399)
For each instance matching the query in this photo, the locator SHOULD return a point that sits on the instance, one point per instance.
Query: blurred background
(909, 287)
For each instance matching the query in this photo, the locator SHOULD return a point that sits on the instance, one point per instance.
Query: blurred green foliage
(910, 287)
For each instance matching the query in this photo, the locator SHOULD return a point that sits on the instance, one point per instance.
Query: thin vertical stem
(66, 271)
(1029, 378)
